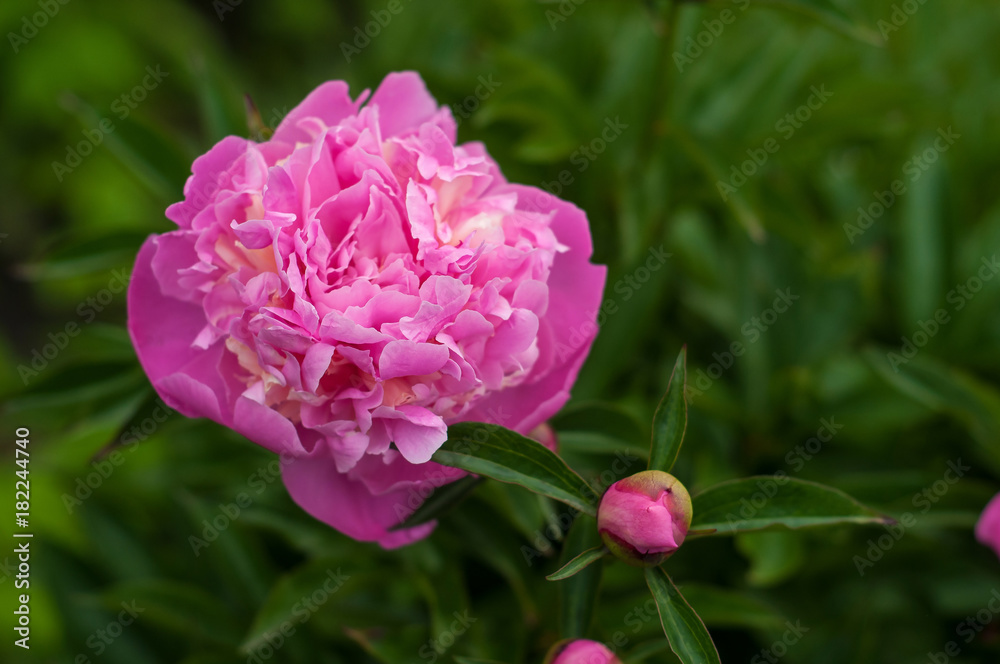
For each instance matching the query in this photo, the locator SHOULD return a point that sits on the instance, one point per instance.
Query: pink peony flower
(643, 519)
(581, 651)
(342, 292)
(988, 527)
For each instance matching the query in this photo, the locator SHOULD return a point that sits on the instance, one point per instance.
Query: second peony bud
(580, 651)
(644, 518)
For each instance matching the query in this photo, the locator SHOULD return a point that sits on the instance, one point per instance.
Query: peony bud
(644, 518)
(545, 435)
(580, 651)
(988, 527)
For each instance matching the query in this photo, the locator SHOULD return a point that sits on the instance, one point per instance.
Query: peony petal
(347, 504)
(162, 328)
(416, 432)
(407, 358)
(403, 103)
(330, 103)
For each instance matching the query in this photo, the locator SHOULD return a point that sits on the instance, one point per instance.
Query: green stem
(665, 26)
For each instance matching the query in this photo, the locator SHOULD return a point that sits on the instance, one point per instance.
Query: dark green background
(653, 186)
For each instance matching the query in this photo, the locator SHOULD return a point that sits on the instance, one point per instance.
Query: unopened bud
(644, 518)
(580, 651)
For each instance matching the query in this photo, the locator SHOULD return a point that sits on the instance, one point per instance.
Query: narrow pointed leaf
(148, 154)
(670, 420)
(179, 608)
(284, 602)
(828, 17)
(578, 594)
(755, 503)
(507, 456)
(439, 502)
(149, 408)
(688, 636)
(215, 118)
(578, 564)
(945, 389)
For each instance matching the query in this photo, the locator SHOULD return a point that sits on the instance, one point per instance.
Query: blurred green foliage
(563, 73)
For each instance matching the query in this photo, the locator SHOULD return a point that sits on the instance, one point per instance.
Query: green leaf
(294, 599)
(723, 607)
(182, 608)
(578, 594)
(595, 427)
(644, 651)
(85, 257)
(231, 555)
(523, 510)
(439, 502)
(755, 503)
(670, 420)
(150, 156)
(148, 405)
(60, 388)
(441, 583)
(711, 166)
(211, 104)
(945, 389)
(491, 450)
(487, 538)
(921, 271)
(689, 639)
(773, 555)
(609, 419)
(397, 648)
(827, 17)
(578, 564)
